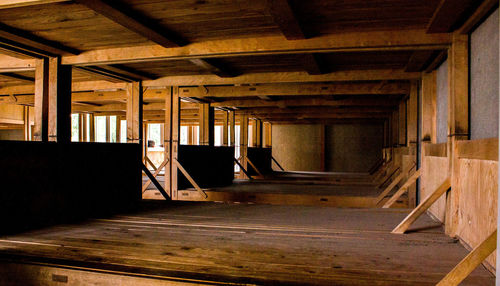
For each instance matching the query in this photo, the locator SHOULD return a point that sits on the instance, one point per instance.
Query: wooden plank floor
(235, 243)
(292, 188)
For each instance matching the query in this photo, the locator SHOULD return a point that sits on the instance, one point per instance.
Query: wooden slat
(470, 262)
(155, 182)
(411, 180)
(134, 112)
(420, 209)
(155, 174)
(41, 101)
(436, 150)
(481, 149)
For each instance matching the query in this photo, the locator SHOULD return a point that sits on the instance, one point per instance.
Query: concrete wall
(298, 147)
(484, 79)
(442, 103)
(353, 147)
(335, 148)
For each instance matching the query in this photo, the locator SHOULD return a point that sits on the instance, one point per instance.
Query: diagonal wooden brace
(403, 189)
(190, 179)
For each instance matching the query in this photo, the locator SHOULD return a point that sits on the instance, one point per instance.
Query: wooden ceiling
(361, 52)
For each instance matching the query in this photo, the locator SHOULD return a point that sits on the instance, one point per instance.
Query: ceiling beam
(17, 77)
(214, 66)
(130, 19)
(126, 17)
(284, 77)
(305, 89)
(419, 60)
(313, 64)
(314, 110)
(12, 64)
(284, 17)
(272, 45)
(359, 101)
(481, 12)
(26, 41)
(6, 4)
(448, 14)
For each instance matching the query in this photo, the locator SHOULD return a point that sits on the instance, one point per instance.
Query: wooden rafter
(313, 65)
(419, 60)
(448, 13)
(17, 77)
(28, 44)
(482, 11)
(307, 102)
(6, 4)
(284, 17)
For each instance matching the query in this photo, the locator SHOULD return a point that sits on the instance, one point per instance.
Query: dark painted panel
(261, 158)
(47, 183)
(209, 166)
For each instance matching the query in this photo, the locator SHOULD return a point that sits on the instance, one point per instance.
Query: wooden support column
(411, 135)
(84, 127)
(134, 113)
(59, 101)
(269, 135)
(176, 117)
(207, 124)
(458, 120)
(80, 127)
(118, 129)
(253, 135)
(395, 128)
(190, 135)
(225, 122)
(232, 129)
(91, 127)
(402, 140)
(27, 124)
(41, 128)
(258, 134)
(108, 129)
(243, 143)
(429, 131)
(145, 128)
(167, 143)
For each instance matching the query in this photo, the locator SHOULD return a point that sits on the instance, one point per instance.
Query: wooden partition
(261, 158)
(477, 190)
(209, 166)
(46, 183)
(434, 171)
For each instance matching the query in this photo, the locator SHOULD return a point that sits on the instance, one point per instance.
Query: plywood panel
(434, 172)
(477, 213)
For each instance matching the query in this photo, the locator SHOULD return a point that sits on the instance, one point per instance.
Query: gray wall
(298, 147)
(484, 79)
(353, 147)
(442, 103)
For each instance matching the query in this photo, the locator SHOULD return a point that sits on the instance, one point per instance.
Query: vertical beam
(134, 112)
(27, 125)
(118, 129)
(395, 128)
(411, 135)
(91, 127)
(429, 131)
(254, 133)
(243, 143)
(190, 134)
(232, 128)
(41, 128)
(59, 101)
(458, 120)
(207, 124)
(80, 127)
(258, 134)
(269, 134)
(108, 129)
(225, 121)
(84, 127)
(167, 143)
(145, 138)
(176, 117)
(402, 124)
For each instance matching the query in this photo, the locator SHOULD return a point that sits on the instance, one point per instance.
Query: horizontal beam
(307, 102)
(6, 4)
(306, 89)
(12, 64)
(285, 77)
(76, 87)
(264, 111)
(273, 45)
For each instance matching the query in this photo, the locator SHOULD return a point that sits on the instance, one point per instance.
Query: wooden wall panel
(477, 208)
(434, 172)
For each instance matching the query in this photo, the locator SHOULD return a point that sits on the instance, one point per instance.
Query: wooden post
(268, 130)
(118, 129)
(411, 135)
(145, 127)
(243, 143)
(41, 127)
(167, 143)
(402, 140)
(259, 133)
(395, 128)
(108, 129)
(176, 117)
(190, 135)
(232, 129)
(225, 122)
(458, 120)
(92, 127)
(84, 127)
(59, 101)
(27, 125)
(253, 138)
(207, 122)
(80, 127)
(134, 112)
(429, 81)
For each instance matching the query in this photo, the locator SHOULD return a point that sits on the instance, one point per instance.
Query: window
(74, 127)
